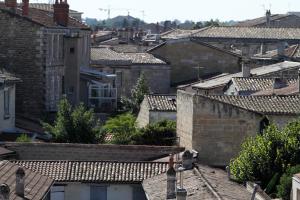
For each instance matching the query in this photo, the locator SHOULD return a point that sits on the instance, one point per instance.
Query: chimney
(181, 193)
(246, 71)
(263, 49)
(25, 7)
(187, 160)
(20, 182)
(61, 12)
(268, 18)
(280, 49)
(171, 179)
(4, 192)
(11, 4)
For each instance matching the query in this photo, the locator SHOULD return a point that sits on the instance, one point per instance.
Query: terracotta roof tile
(178, 34)
(43, 17)
(277, 105)
(143, 58)
(249, 33)
(161, 102)
(258, 84)
(96, 171)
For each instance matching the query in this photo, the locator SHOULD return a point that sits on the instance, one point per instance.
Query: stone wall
(92, 152)
(190, 60)
(21, 53)
(216, 130)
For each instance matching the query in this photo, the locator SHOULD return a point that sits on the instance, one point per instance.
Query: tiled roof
(36, 185)
(96, 171)
(161, 102)
(288, 105)
(130, 48)
(262, 20)
(292, 89)
(43, 18)
(107, 56)
(257, 84)
(204, 183)
(249, 33)
(256, 72)
(5, 152)
(292, 51)
(178, 34)
(47, 7)
(143, 58)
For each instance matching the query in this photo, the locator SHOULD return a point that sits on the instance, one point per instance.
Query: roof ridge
(88, 161)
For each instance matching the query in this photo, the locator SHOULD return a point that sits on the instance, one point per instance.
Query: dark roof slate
(96, 171)
(36, 185)
(161, 102)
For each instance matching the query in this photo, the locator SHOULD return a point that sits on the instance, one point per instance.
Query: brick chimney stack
(25, 7)
(61, 12)
(11, 4)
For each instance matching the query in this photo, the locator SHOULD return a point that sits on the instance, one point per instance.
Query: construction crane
(108, 10)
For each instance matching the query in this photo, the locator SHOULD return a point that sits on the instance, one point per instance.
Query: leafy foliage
(122, 127)
(285, 184)
(265, 155)
(162, 133)
(137, 95)
(74, 125)
(23, 138)
(124, 131)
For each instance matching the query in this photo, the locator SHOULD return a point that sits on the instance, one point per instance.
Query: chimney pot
(61, 13)
(246, 71)
(4, 191)
(11, 4)
(268, 18)
(181, 194)
(20, 182)
(25, 7)
(187, 160)
(171, 179)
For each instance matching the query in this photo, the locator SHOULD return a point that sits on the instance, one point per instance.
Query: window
(98, 192)
(264, 123)
(6, 104)
(72, 50)
(57, 193)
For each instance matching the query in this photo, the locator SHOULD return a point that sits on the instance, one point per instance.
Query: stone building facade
(128, 67)
(33, 47)
(191, 60)
(216, 126)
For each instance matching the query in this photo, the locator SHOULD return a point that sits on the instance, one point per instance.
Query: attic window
(72, 50)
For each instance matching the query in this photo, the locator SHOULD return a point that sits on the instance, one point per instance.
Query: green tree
(162, 133)
(265, 155)
(137, 95)
(74, 125)
(122, 127)
(23, 138)
(285, 185)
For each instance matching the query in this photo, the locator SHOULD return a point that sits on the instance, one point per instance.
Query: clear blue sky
(196, 10)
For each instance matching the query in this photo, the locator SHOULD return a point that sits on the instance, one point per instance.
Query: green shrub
(264, 155)
(285, 184)
(23, 138)
(122, 127)
(162, 133)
